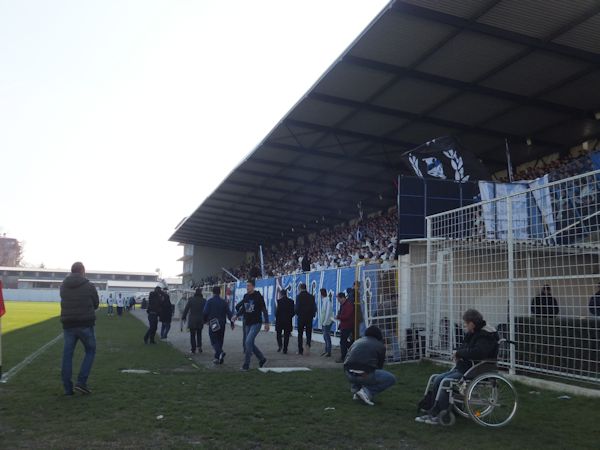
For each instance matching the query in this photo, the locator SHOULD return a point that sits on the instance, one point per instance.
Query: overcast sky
(117, 118)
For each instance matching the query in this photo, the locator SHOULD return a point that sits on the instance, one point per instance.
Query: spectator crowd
(373, 239)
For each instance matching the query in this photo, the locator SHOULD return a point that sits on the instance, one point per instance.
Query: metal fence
(529, 262)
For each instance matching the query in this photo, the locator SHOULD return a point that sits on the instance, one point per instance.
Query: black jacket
(595, 304)
(544, 306)
(166, 309)
(284, 312)
(78, 301)
(253, 308)
(479, 345)
(154, 300)
(306, 307)
(195, 309)
(366, 354)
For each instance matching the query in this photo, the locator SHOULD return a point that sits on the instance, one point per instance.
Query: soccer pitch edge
(16, 369)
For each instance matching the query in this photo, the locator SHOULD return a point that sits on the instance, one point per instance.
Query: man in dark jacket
(154, 301)
(165, 314)
(78, 303)
(480, 343)
(544, 305)
(215, 313)
(363, 366)
(594, 304)
(194, 314)
(346, 326)
(306, 309)
(254, 310)
(284, 312)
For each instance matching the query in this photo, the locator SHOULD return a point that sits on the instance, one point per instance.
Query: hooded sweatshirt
(78, 301)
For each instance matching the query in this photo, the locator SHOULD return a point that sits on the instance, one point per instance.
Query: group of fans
(121, 303)
(363, 358)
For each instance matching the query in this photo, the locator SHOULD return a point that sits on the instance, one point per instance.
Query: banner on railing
(332, 280)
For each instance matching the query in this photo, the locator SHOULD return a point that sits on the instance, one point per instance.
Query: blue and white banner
(332, 280)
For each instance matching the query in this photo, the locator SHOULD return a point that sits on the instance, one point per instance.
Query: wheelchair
(483, 395)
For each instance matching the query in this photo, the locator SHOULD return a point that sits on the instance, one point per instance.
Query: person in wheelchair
(480, 343)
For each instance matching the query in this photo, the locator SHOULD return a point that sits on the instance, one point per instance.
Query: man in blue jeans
(78, 303)
(363, 367)
(254, 310)
(326, 320)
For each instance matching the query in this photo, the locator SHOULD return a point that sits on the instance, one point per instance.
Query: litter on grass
(141, 371)
(284, 369)
(330, 408)
(161, 417)
(564, 397)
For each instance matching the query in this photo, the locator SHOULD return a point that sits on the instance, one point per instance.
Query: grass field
(226, 409)
(26, 327)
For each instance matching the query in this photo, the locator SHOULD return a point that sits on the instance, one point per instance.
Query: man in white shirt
(120, 304)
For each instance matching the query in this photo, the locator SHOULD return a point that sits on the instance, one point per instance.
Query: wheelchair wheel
(460, 407)
(447, 418)
(458, 396)
(491, 400)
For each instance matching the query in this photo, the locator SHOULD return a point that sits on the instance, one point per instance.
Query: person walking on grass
(154, 300)
(346, 318)
(78, 302)
(215, 313)
(306, 309)
(109, 304)
(165, 315)
(120, 304)
(326, 321)
(284, 312)
(254, 311)
(194, 313)
(364, 367)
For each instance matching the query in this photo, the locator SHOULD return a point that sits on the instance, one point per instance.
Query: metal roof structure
(480, 70)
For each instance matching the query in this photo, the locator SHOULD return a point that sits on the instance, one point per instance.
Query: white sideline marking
(16, 369)
(284, 369)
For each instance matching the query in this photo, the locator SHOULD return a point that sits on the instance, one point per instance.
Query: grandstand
(492, 74)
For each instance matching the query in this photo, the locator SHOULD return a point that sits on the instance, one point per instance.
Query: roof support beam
(462, 86)
(448, 19)
(420, 118)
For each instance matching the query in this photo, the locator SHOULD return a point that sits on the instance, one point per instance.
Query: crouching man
(480, 343)
(363, 367)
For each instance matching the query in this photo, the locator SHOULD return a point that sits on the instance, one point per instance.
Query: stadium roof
(480, 70)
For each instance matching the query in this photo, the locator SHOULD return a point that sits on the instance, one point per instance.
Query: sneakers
(216, 362)
(278, 349)
(354, 397)
(244, 369)
(432, 420)
(365, 397)
(262, 363)
(285, 351)
(324, 353)
(221, 357)
(82, 389)
(422, 419)
(327, 355)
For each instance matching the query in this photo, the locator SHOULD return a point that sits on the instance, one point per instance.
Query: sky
(119, 117)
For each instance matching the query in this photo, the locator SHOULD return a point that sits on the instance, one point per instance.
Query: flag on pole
(2, 307)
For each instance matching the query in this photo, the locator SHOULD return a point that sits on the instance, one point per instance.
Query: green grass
(27, 326)
(227, 409)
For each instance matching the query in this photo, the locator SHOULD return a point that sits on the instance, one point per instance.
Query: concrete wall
(208, 261)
